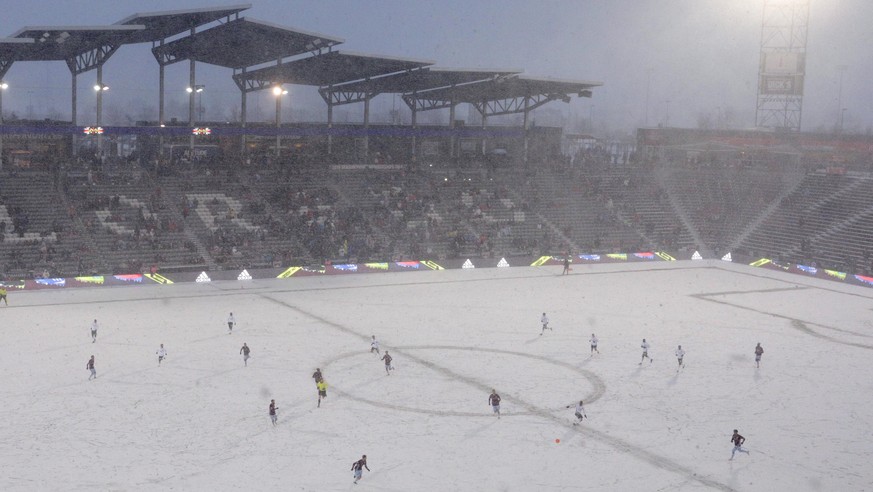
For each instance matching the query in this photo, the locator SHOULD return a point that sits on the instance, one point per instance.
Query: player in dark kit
(738, 441)
(358, 467)
(388, 367)
(90, 367)
(317, 376)
(759, 351)
(494, 401)
(273, 409)
(566, 265)
(245, 351)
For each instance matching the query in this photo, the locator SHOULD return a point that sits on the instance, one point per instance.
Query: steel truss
(517, 105)
(91, 59)
(336, 97)
(5, 65)
(487, 108)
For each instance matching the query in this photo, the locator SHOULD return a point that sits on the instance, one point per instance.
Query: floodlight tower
(783, 64)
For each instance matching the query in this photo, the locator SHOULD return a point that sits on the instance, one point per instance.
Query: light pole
(278, 91)
(198, 90)
(3, 87)
(842, 116)
(100, 88)
(648, 86)
(842, 70)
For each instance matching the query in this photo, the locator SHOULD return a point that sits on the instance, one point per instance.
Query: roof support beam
(91, 59)
(251, 85)
(515, 105)
(419, 103)
(339, 97)
(5, 65)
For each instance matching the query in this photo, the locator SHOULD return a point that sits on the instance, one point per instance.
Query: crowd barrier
(134, 279)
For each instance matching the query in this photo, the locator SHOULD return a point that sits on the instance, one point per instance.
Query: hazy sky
(703, 55)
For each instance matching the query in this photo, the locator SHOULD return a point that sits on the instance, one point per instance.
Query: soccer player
(566, 265)
(162, 352)
(738, 441)
(94, 331)
(90, 367)
(245, 350)
(494, 401)
(322, 391)
(317, 375)
(545, 321)
(579, 413)
(374, 345)
(388, 367)
(759, 351)
(645, 347)
(679, 355)
(273, 409)
(358, 466)
(593, 341)
(3, 295)
(230, 322)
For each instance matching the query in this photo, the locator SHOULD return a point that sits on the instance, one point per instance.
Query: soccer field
(199, 421)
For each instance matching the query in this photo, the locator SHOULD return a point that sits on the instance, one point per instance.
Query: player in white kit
(545, 321)
(645, 346)
(230, 322)
(162, 352)
(579, 413)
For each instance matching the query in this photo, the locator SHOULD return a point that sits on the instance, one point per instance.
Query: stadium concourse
(199, 420)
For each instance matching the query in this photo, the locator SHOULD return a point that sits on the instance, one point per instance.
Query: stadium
(444, 237)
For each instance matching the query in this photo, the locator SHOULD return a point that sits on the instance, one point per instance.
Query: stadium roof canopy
(511, 87)
(65, 42)
(410, 81)
(424, 79)
(332, 68)
(239, 43)
(87, 47)
(162, 25)
(242, 43)
(502, 95)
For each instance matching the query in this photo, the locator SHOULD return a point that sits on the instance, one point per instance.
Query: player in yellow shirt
(322, 391)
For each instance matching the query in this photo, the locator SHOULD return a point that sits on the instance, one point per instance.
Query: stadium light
(278, 91)
(100, 87)
(197, 89)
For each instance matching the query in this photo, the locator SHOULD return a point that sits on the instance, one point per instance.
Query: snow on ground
(199, 422)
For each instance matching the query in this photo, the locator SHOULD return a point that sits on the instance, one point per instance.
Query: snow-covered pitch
(200, 422)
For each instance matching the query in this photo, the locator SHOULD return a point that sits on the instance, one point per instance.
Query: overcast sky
(703, 56)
